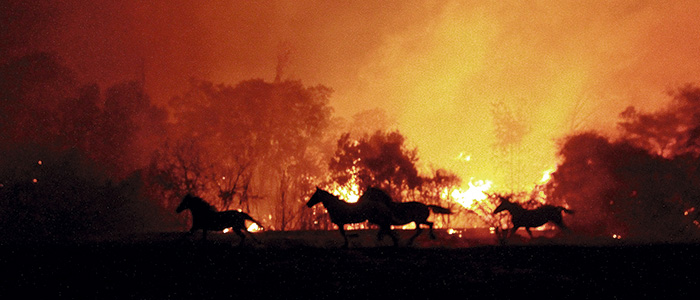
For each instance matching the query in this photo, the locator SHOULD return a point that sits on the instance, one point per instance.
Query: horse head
(317, 197)
(185, 203)
(504, 205)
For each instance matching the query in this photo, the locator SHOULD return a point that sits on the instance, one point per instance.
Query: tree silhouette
(671, 131)
(262, 140)
(380, 160)
(618, 188)
(510, 129)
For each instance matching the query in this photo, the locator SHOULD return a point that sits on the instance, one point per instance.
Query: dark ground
(310, 265)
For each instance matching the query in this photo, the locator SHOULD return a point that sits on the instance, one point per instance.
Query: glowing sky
(435, 66)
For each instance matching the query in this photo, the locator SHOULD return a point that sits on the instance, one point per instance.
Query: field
(311, 265)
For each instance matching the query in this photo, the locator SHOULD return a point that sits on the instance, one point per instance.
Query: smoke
(435, 67)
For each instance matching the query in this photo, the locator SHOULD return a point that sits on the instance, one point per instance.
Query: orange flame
(472, 195)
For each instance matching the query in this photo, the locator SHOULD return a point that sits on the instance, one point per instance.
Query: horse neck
(332, 202)
(201, 208)
(514, 208)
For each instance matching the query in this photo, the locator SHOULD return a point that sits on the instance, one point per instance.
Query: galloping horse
(342, 213)
(206, 217)
(405, 212)
(537, 217)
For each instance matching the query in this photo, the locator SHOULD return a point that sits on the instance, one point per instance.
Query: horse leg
(239, 232)
(528, 231)
(252, 236)
(432, 234)
(380, 234)
(418, 232)
(562, 226)
(386, 229)
(341, 228)
(512, 232)
(393, 236)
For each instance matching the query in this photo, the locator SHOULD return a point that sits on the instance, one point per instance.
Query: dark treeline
(644, 184)
(70, 160)
(79, 159)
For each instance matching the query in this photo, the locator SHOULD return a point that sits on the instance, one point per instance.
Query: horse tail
(249, 218)
(440, 210)
(568, 211)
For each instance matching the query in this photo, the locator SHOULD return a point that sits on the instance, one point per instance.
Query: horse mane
(200, 203)
(377, 194)
(325, 193)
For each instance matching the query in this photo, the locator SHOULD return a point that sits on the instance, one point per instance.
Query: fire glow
(252, 228)
(349, 192)
(475, 193)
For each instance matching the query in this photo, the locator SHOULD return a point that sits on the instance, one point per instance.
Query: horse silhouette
(342, 213)
(528, 218)
(206, 217)
(405, 212)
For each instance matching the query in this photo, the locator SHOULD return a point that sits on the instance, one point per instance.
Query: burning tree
(380, 160)
(257, 140)
(383, 160)
(669, 132)
(510, 128)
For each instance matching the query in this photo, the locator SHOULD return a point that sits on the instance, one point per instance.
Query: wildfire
(452, 231)
(350, 192)
(547, 175)
(475, 193)
(252, 228)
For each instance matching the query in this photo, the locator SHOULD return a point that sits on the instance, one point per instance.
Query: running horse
(342, 213)
(528, 218)
(405, 212)
(206, 217)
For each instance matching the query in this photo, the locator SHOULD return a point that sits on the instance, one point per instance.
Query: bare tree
(510, 128)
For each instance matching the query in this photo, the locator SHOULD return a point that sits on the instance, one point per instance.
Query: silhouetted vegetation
(77, 160)
(69, 158)
(254, 145)
(384, 160)
(644, 185)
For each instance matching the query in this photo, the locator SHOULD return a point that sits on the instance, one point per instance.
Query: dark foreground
(171, 267)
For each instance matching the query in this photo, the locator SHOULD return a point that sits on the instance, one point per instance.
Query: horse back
(226, 219)
(407, 212)
(376, 212)
(537, 217)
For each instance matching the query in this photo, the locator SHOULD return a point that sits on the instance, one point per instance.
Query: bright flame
(451, 231)
(475, 193)
(547, 175)
(254, 228)
(350, 192)
(689, 211)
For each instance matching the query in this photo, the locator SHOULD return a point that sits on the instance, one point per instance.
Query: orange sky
(436, 66)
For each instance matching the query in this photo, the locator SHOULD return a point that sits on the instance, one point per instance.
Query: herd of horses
(375, 206)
